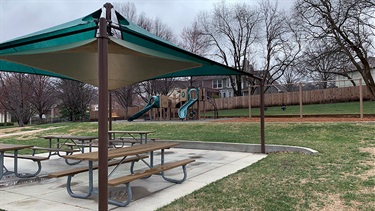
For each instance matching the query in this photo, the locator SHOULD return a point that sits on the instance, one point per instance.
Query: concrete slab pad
(149, 194)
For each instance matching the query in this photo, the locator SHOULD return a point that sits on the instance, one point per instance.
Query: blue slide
(182, 112)
(154, 102)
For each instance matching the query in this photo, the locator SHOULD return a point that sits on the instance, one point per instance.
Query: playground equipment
(192, 97)
(186, 106)
(154, 102)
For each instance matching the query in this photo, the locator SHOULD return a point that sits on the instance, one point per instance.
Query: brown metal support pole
(249, 102)
(262, 135)
(103, 114)
(110, 111)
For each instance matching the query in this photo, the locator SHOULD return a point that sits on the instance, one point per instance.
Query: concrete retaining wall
(240, 147)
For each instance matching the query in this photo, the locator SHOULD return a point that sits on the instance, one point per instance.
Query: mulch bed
(298, 119)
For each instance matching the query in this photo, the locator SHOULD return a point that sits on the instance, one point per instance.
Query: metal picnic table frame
(69, 139)
(143, 135)
(122, 153)
(13, 147)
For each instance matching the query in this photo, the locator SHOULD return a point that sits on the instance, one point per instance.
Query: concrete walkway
(43, 193)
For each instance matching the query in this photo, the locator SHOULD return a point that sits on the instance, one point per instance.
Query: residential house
(5, 116)
(342, 81)
(222, 85)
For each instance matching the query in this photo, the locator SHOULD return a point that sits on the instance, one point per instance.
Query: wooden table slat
(122, 152)
(8, 147)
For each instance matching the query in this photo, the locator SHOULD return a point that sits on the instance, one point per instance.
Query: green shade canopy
(73, 50)
(11, 67)
(70, 50)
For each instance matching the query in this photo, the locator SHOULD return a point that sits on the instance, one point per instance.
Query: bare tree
(127, 9)
(158, 28)
(16, 96)
(347, 24)
(125, 97)
(144, 22)
(289, 79)
(75, 98)
(193, 40)
(231, 30)
(322, 62)
(43, 94)
(279, 42)
(163, 86)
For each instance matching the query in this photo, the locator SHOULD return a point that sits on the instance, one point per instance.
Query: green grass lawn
(340, 177)
(315, 109)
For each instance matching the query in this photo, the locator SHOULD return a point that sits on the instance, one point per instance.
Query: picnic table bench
(138, 152)
(56, 150)
(14, 147)
(68, 144)
(71, 172)
(74, 171)
(36, 159)
(160, 169)
(128, 136)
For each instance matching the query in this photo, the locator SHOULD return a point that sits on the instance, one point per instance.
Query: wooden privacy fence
(317, 96)
(320, 96)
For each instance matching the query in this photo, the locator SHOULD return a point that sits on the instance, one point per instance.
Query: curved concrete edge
(240, 147)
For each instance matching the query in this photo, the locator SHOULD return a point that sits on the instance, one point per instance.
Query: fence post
(300, 100)
(360, 99)
(249, 102)
(204, 97)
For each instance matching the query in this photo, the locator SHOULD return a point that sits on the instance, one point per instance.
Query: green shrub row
(6, 124)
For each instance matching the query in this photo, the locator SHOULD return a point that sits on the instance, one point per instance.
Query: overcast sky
(21, 17)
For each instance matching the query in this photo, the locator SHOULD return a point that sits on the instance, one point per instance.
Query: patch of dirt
(297, 119)
(11, 130)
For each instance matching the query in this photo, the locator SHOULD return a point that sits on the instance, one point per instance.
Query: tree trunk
(41, 118)
(20, 122)
(366, 75)
(369, 82)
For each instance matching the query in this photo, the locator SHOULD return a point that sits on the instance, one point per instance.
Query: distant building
(223, 86)
(342, 81)
(5, 116)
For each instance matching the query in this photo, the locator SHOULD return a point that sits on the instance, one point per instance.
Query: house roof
(352, 68)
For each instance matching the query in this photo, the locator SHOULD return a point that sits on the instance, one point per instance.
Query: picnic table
(16, 156)
(126, 154)
(66, 143)
(127, 136)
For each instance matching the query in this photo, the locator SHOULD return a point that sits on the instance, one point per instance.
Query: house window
(222, 94)
(229, 85)
(217, 84)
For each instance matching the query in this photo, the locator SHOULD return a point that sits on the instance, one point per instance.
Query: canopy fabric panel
(127, 63)
(19, 68)
(73, 31)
